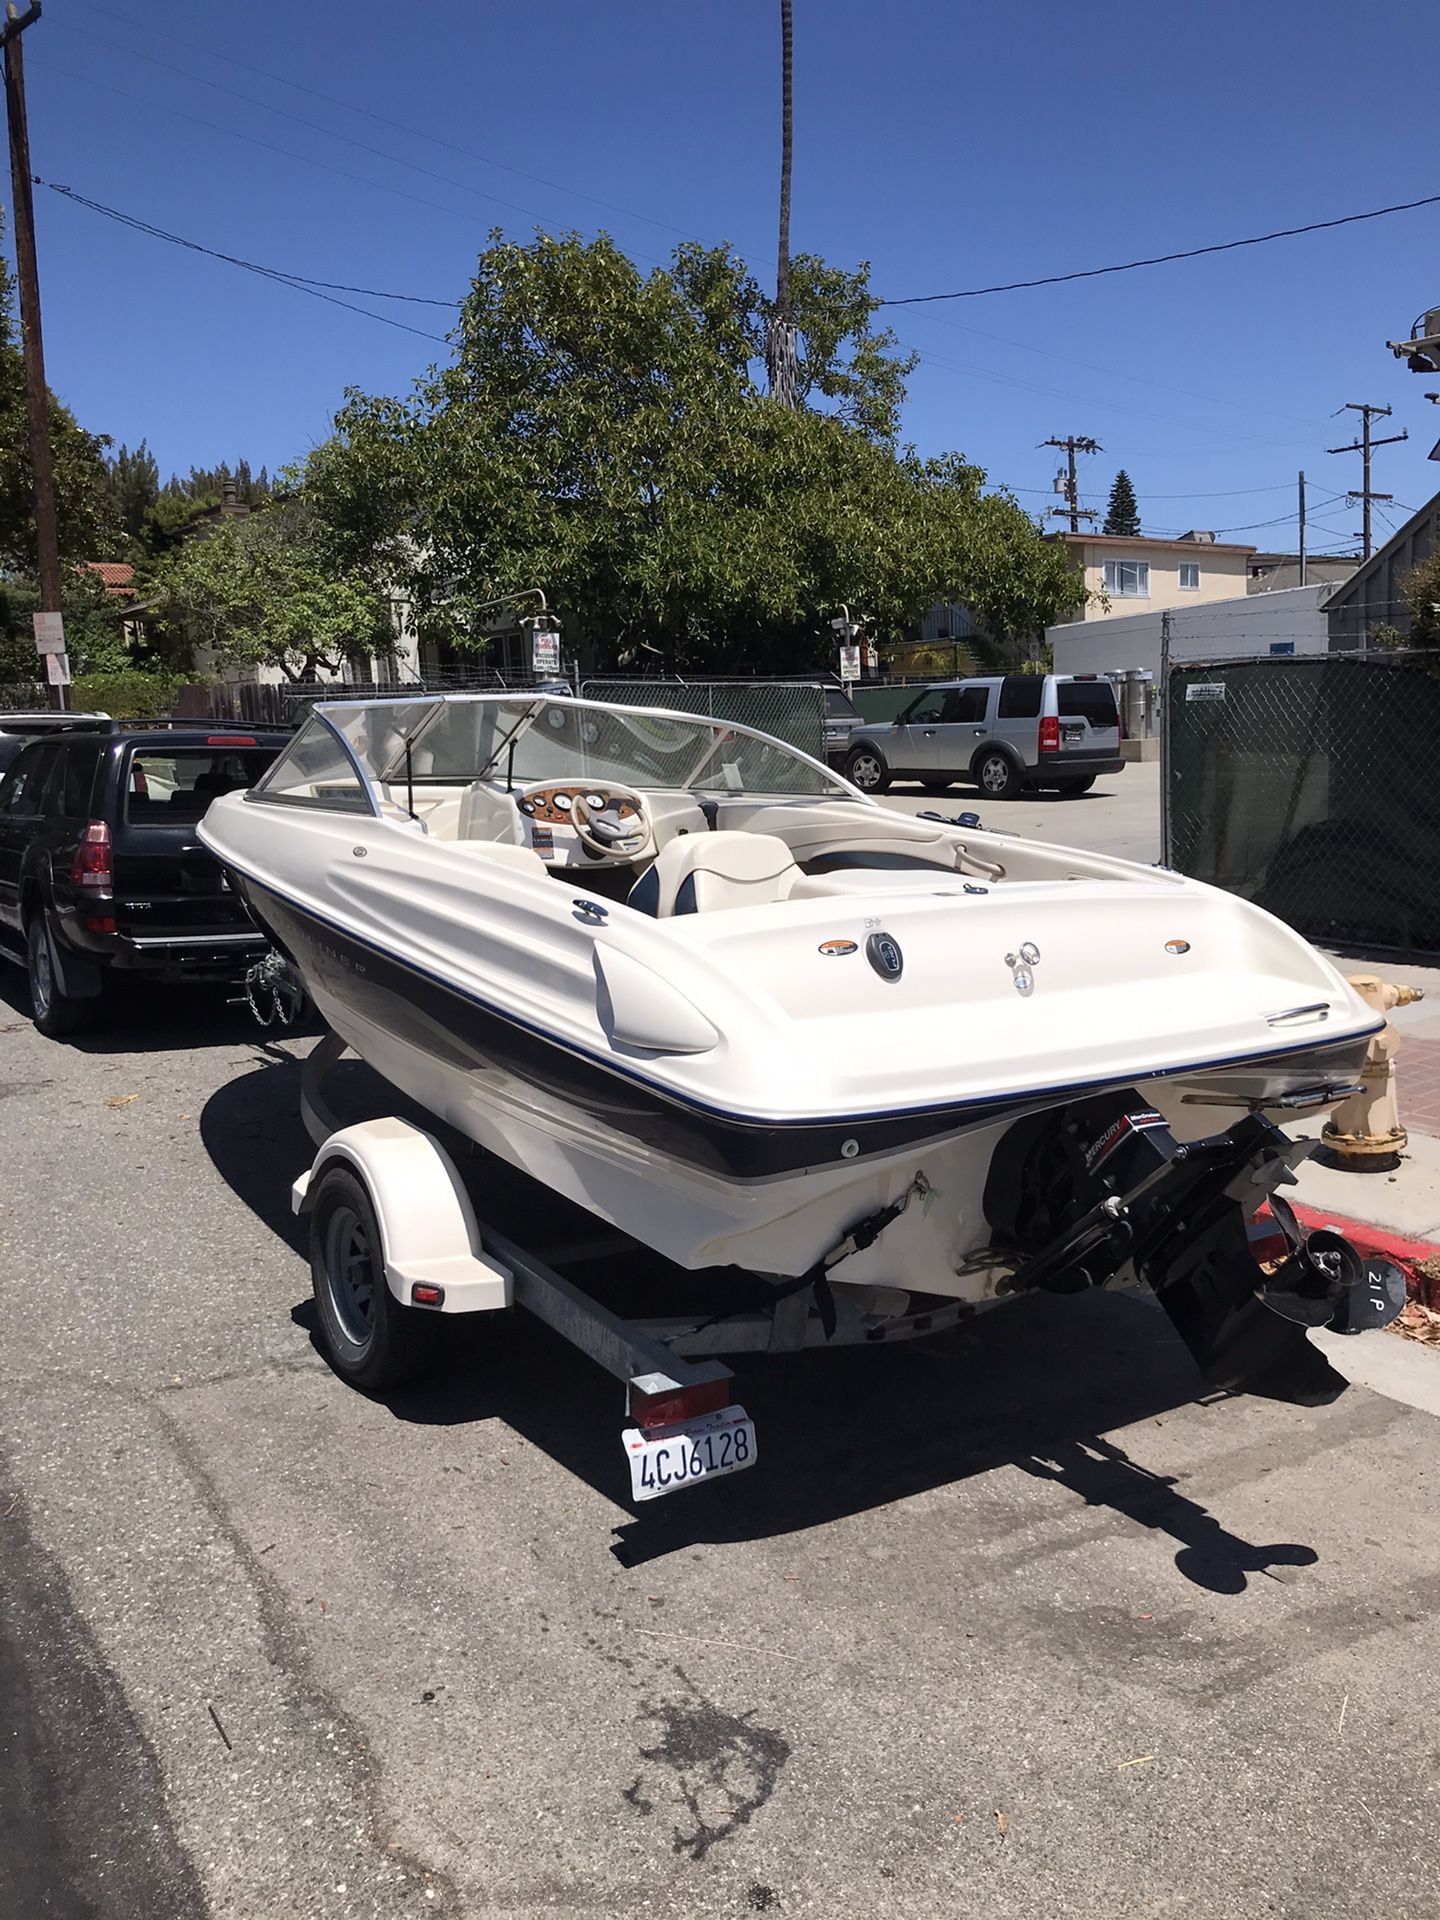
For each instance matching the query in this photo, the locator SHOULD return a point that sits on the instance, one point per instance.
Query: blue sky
(950, 146)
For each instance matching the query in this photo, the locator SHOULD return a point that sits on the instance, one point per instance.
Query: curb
(1418, 1260)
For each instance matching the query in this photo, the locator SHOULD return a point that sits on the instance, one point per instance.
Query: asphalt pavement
(1019, 1622)
(1120, 814)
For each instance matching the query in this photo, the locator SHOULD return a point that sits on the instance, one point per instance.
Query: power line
(315, 126)
(351, 106)
(317, 289)
(234, 260)
(1162, 259)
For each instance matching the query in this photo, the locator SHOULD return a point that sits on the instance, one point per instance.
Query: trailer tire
(369, 1338)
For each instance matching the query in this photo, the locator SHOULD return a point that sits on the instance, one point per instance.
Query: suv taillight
(91, 867)
(1050, 734)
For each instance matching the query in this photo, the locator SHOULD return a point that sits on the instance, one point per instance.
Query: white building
(1291, 620)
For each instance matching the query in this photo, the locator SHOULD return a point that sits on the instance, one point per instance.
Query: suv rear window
(1020, 696)
(1092, 700)
(839, 706)
(178, 783)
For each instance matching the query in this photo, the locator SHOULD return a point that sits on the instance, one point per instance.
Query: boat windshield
(520, 739)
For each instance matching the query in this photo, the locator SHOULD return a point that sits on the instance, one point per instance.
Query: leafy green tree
(263, 592)
(86, 522)
(1421, 588)
(1122, 515)
(133, 482)
(606, 436)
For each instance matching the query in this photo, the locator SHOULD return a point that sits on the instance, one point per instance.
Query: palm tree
(780, 347)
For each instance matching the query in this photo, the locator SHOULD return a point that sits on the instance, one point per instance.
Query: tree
(86, 522)
(133, 483)
(264, 592)
(780, 343)
(608, 437)
(1122, 515)
(1421, 588)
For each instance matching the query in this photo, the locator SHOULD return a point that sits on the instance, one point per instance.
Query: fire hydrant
(1364, 1133)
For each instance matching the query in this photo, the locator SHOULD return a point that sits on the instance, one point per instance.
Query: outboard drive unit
(1102, 1190)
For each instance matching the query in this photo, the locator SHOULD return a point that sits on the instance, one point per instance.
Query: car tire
(997, 775)
(1066, 787)
(368, 1337)
(865, 768)
(55, 1012)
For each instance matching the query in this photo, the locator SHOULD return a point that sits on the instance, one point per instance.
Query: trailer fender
(430, 1235)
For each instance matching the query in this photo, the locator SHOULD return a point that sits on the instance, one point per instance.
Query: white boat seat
(487, 815)
(707, 872)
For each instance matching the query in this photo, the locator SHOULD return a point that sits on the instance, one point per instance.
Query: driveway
(1119, 815)
(1016, 1623)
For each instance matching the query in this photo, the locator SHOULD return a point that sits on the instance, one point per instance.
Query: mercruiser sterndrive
(689, 978)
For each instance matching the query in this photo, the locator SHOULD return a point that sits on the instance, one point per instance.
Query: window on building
(1190, 575)
(1128, 579)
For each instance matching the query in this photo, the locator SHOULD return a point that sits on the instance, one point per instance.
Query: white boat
(691, 979)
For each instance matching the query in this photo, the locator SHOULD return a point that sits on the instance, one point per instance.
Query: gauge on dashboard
(526, 807)
(595, 802)
(562, 802)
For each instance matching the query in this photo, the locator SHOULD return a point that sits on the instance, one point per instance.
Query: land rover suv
(1007, 732)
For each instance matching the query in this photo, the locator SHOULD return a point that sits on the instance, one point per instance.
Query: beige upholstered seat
(708, 872)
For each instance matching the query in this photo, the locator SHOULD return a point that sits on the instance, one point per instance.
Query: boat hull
(703, 1186)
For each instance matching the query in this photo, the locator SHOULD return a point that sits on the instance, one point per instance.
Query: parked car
(1005, 732)
(18, 728)
(842, 716)
(101, 868)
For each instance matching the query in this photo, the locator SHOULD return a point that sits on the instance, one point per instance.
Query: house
(1274, 572)
(1292, 620)
(1371, 597)
(1151, 574)
(116, 576)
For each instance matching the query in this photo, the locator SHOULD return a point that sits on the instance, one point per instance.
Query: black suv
(101, 866)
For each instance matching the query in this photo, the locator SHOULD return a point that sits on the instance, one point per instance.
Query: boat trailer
(1098, 1194)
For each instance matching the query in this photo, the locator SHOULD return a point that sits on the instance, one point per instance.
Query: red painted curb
(1409, 1255)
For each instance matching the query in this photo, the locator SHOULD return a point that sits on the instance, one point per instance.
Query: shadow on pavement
(141, 1016)
(1032, 1385)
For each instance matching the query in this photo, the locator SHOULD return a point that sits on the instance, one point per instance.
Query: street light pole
(37, 400)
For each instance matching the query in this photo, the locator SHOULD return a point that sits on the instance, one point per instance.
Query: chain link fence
(1308, 785)
(792, 710)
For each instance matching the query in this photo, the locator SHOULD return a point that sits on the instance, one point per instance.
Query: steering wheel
(605, 831)
(595, 814)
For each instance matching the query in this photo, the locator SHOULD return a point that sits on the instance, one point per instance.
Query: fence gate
(1308, 785)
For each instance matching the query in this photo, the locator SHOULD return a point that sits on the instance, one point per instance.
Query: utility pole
(1070, 445)
(1302, 527)
(1364, 446)
(42, 464)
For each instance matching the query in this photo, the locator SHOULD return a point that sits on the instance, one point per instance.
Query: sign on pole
(544, 650)
(849, 663)
(57, 668)
(49, 635)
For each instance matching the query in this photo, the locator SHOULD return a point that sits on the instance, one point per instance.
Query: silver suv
(1006, 732)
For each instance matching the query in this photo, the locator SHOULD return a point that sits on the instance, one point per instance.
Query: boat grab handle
(1318, 1010)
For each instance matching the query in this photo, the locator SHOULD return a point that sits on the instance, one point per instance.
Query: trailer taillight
(92, 867)
(672, 1405)
(1050, 734)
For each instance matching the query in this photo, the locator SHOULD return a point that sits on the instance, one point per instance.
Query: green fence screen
(1309, 785)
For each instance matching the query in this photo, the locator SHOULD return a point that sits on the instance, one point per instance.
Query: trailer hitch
(1102, 1190)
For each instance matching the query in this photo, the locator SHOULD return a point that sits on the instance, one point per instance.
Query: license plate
(1072, 736)
(669, 1459)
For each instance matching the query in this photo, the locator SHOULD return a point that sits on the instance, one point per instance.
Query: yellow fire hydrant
(1364, 1133)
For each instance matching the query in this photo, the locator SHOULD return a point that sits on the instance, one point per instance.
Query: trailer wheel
(370, 1339)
